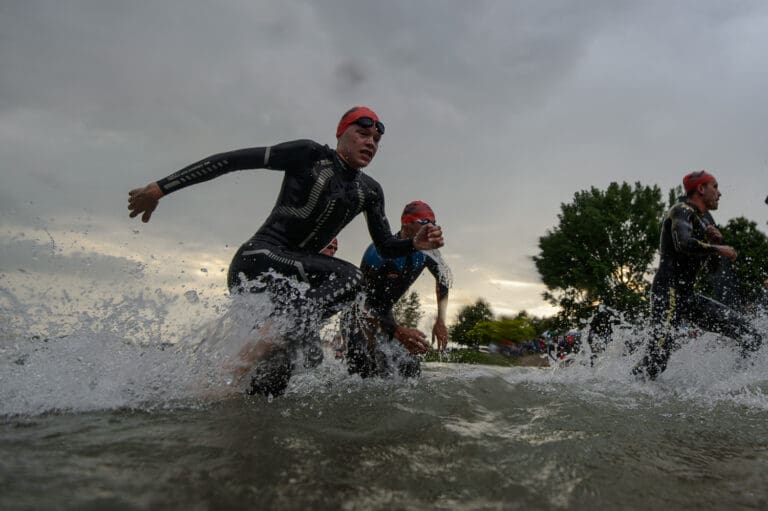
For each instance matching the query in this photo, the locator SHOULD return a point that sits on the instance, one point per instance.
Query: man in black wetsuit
(386, 281)
(323, 190)
(690, 243)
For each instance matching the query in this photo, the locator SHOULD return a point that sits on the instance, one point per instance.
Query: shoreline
(480, 358)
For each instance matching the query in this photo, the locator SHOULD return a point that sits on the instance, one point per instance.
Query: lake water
(94, 423)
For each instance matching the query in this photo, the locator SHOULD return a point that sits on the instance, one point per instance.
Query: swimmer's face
(358, 145)
(411, 229)
(331, 249)
(711, 194)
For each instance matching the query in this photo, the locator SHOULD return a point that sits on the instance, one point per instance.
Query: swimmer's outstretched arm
(287, 156)
(439, 330)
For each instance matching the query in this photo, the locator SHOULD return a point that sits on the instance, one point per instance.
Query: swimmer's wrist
(166, 185)
(157, 190)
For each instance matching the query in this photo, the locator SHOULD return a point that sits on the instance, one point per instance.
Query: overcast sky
(496, 113)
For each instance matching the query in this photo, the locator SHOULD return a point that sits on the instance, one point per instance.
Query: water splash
(141, 349)
(446, 276)
(707, 370)
(95, 366)
(84, 331)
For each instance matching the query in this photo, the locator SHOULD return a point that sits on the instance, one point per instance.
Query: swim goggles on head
(367, 122)
(425, 221)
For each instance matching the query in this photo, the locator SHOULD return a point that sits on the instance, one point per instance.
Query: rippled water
(460, 437)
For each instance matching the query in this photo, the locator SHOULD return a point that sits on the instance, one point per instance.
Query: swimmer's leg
(654, 362)
(665, 314)
(263, 341)
(408, 365)
(271, 374)
(359, 357)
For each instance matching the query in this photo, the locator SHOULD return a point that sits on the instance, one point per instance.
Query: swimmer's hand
(726, 251)
(144, 201)
(429, 237)
(413, 339)
(440, 334)
(713, 234)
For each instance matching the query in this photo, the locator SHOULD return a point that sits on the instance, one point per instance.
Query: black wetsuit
(386, 280)
(684, 253)
(320, 195)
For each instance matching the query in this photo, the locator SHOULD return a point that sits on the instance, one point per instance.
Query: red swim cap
(353, 114)
(331, 248)
(415, 211)
(694, 179)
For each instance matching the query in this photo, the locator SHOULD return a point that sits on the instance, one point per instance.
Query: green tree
(469, 316)
(407, 310)
(506, 329)
(601, 250)
(540, 324)
(674, 196)
(743, 278)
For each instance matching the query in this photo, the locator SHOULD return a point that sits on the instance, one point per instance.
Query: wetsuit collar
(346, 166)
(695, 206)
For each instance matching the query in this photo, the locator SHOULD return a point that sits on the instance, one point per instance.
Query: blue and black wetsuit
(684, 253)
(320, 194)
(385, 282)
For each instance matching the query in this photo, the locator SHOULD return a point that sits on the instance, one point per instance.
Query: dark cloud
(351, 74)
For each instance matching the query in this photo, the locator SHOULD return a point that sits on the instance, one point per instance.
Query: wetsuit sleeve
(288, 156)
(434, 269)
(682, 233)
(389, 246)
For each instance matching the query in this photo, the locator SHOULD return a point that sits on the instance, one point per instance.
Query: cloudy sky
(496, 113)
